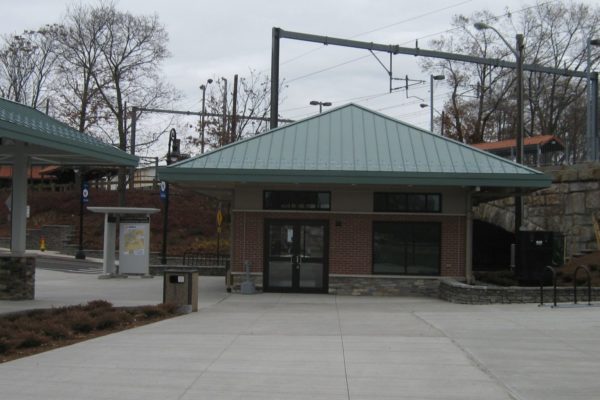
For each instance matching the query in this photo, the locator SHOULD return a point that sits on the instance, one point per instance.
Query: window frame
(440, 246)
(407, 209)
(317, 192)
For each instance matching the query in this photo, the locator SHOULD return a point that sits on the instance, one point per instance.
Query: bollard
(42, 243)
(247, 287)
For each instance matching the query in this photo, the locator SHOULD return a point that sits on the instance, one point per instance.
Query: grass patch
(31, 332)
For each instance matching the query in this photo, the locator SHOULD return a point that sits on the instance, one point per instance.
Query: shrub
(97, 304)
(149, 312)
(30, 339)
(169, 308)
(56, 331)
(79, 321)
(108, 320)
(4, 346)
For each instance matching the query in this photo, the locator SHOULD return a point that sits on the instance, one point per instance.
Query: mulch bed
(35, 331)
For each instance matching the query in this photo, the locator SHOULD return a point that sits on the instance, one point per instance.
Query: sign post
(219, 222)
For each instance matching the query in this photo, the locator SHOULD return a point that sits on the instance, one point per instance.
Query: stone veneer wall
(567, 206)
(17, 278)
(369, 285)
(457, 292)
(366, 285)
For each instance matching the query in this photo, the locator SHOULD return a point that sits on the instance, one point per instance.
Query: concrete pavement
(290, 346)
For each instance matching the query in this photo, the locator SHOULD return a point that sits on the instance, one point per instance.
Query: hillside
(192, 217)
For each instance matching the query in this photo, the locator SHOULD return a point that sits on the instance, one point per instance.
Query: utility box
(180, 287)
(538, 249)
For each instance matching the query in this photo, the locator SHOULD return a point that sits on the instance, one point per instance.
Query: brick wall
(350, 240)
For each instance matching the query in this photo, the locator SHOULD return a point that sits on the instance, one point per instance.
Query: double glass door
(296, 256)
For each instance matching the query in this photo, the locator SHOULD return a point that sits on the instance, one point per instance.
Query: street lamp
(431, 79)
(442, 115)
(320, 104)
(172, 152)
(592, 140)
(518, 53)
(203, 88)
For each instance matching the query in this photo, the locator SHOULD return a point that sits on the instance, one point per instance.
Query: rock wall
(567, 206)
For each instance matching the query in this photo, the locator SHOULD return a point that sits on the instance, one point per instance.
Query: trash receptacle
(180, 287)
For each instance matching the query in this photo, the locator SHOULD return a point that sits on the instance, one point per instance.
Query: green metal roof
(353, 145)
(49, 141)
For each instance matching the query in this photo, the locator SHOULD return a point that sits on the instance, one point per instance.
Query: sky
(209, 39)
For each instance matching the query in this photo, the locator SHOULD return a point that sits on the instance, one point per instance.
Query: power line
(412, 19)
(379, 29)
(328, 68)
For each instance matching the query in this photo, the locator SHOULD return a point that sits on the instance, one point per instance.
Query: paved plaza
(291, 346)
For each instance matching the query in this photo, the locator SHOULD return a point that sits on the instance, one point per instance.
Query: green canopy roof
(354, 145)
(48, 141)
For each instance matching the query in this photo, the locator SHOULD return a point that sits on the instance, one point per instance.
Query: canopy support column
(18, 236)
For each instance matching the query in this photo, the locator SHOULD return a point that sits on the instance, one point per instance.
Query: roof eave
(100, 156)
(538, 180)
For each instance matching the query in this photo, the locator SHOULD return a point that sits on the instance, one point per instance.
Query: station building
(352, 201)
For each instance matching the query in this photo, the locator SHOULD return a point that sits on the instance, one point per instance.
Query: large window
(296, 200)
(408, 202)
(406, 248)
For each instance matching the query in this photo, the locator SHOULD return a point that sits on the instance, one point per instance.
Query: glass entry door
(296, 255)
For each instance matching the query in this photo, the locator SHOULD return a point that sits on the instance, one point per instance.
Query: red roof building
(537, 150)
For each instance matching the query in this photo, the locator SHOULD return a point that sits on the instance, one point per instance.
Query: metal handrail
(589, 282)
(551, 269)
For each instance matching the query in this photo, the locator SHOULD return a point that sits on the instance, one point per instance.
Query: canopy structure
(353, 145)
(30, 137)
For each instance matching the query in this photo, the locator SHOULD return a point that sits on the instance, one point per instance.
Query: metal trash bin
(180, 287)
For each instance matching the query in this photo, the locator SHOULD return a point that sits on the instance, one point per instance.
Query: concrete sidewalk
(288, 346)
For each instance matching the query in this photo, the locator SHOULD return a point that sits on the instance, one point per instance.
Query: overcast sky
(222, 38)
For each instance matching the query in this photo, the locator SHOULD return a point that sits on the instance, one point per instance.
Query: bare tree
(79, 100)
(253, 110)
(555, 35)
(132, 49)
(27, 63)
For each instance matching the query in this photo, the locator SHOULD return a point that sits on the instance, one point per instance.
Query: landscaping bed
(31, 332)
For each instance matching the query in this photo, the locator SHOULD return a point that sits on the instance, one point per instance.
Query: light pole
(173, 141)
(592, 104)
(442, 115)
(518, 53)
(320, 104)
(80, 255)
(431, 79)
(203, 88)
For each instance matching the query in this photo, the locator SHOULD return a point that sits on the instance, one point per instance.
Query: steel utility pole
(224, 134)
(234, 109)
(278, 34)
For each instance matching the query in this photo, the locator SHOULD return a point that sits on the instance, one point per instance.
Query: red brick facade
(350, 240)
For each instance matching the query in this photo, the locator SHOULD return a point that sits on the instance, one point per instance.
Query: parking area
(292, 346)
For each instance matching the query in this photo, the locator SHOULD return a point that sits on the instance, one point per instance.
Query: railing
(551, 269)
(589, 282)
(195, 258)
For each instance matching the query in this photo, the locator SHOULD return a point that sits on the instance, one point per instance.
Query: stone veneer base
(17, 278)
(458, 292)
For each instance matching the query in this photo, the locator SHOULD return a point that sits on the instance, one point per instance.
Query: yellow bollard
(42, 243)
